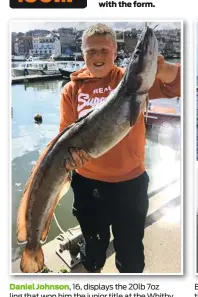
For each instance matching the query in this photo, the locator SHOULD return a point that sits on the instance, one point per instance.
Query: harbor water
(29, 139)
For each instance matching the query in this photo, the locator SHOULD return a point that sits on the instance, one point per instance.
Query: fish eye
(137, 52)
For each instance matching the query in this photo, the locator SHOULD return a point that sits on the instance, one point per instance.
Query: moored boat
(16, 58)
(19, 71)
(163, 110)
(71, 67)
(36, 67)
(42, 67)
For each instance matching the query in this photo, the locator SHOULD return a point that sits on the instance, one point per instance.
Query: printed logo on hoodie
(86, 101)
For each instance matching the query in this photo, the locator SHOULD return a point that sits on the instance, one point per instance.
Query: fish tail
(32, 261)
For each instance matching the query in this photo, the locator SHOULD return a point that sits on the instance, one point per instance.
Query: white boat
(163, 110)
(71, 67)
(36, 67)
(18, 58)
(42, 67)
(20, 70)
(31, 58)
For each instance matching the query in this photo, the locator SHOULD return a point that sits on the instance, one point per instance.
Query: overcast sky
(24, 26)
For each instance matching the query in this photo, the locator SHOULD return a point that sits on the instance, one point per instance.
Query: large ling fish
(96, 133)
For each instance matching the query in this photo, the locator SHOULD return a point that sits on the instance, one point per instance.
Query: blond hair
(99, 29)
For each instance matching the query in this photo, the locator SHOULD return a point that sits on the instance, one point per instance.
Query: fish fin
(32, 261)
(22, 235)
(21, 220)
(47, 227)
(62, 192)
(48, 223)
(64, 189)
(133, 116)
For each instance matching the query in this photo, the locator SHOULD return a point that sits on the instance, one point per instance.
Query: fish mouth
(143, 59)
(146, 44)
(147, 34)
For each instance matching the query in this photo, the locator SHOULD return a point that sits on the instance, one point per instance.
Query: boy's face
(99, 53)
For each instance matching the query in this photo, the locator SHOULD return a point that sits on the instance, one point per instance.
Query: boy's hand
(79, 156)
(166, 71)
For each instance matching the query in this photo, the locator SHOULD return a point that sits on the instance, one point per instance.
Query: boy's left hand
(79, 159)
(166, 71)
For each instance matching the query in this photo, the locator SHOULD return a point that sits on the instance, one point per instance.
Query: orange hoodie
(125, 160)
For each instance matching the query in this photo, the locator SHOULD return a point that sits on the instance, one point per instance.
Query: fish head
(146, 53)
(142, 68)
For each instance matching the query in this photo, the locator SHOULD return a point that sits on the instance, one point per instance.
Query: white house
(48, 45)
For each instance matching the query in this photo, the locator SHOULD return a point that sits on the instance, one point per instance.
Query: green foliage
(46, 270)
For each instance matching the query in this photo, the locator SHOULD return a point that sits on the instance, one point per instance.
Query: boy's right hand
(79, 158)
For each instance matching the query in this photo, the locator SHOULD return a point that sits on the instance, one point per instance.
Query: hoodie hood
(81, 74)
(84, 74)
